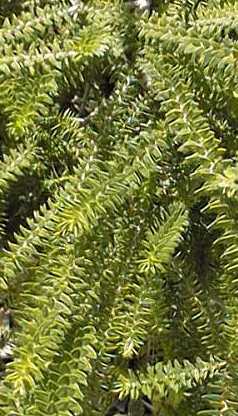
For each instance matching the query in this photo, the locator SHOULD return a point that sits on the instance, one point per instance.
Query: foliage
(118, 207)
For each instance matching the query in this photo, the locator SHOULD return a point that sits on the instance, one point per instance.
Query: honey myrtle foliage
(118, 207)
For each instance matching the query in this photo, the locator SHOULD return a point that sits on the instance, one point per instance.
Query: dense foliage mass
(119, 208)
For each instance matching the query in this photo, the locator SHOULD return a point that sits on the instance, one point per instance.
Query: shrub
(118, 207)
